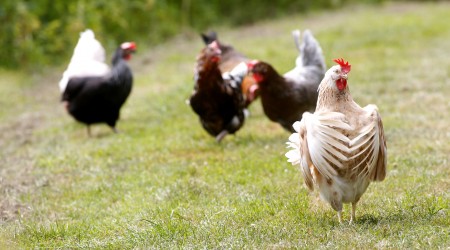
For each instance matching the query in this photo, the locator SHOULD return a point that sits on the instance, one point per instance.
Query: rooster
(285, 97)
(230, 58)
(88, 59)
(217, 101)
(98, 99)
(340, 147)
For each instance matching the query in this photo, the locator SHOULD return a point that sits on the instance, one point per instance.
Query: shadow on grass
(368, 219)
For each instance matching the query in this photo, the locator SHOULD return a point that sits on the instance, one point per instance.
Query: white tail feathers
(236, 75)
(296, 36)
(311, 52)
(309, 56)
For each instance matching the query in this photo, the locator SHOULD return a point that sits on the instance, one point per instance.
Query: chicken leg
(353, 218)
(221, 135)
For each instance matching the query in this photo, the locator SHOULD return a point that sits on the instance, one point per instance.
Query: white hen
(340, 147)
(88, 59)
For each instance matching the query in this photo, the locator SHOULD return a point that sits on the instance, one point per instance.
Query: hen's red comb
(128, 45)
(344, 65)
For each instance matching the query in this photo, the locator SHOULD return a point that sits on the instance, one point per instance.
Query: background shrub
(44, 32)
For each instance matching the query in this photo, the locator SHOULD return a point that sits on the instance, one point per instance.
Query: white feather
(88, 59)
(296, 125)
(294, 154)
(236, 75)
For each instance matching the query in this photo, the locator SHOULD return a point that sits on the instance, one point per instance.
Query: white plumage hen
(341, 146)
(88, 59)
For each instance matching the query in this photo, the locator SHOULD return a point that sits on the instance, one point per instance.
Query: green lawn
(164, 183)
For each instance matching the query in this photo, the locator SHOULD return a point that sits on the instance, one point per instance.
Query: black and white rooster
(98, 99)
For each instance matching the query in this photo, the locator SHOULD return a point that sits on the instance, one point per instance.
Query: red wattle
(341, 83)
(215, 59)
(258, 78)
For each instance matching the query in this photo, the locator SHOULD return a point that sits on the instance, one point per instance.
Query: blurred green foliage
(44, 32)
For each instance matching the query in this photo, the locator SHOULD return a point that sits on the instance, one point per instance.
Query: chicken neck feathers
(88, 59)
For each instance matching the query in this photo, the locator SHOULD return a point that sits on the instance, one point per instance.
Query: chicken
(88, 59)
(285, 98)
(230, 58)
(340, 147)
(217, 101)
(98, 99)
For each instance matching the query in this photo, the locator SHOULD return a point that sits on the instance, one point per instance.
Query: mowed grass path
(164, 183)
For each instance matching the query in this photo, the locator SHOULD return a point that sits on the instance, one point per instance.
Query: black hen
(99, 99)
(217, 101)
(285, 97)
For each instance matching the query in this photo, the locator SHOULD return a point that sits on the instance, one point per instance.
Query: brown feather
(306, 167)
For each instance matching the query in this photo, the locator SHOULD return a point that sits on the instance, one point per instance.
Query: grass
(164, 183)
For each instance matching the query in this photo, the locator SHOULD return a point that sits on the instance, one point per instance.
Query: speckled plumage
(341, 146)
